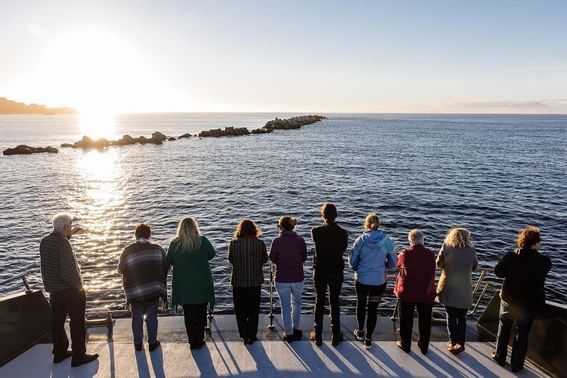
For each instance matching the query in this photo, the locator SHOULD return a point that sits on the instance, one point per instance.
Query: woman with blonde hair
(247, 254)
(192, 287)
(371, 254)
(288, 252)
(457, 258)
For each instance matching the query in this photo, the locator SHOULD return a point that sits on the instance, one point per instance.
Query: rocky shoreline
(158, 138)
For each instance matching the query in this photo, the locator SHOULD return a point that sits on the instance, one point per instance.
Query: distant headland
(13, 107)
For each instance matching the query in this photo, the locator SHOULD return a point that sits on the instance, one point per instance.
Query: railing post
(210, 317)
(271, 326)
(26, 283)
(394, 316)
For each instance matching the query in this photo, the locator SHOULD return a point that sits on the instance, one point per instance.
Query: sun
(98, 73)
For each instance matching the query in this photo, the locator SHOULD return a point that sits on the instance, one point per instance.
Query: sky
(286, 56)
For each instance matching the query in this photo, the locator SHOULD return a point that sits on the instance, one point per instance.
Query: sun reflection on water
(100, 201)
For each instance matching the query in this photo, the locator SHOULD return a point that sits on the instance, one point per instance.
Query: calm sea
(491, 174)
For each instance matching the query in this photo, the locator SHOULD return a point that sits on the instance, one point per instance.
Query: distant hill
(13, 107)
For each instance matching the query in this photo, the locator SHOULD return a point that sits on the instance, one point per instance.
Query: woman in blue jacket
(371, 254)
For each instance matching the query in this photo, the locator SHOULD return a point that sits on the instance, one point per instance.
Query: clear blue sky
(328, 56)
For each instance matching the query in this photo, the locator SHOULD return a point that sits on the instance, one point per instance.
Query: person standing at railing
(331, 242)
(522, 295)
(371, 254)
(457, 258)
(415, 288)
(192, 287)
(62, 280)
(247, 254)
(288, 252)
(144, 270)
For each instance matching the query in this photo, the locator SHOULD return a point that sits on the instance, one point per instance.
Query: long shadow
(264, 365)
(355, 356)
(112, 366)
(87, 370)
(157, 363)
(383, 359)
(142, 364)
(235, 363)
(204, 362)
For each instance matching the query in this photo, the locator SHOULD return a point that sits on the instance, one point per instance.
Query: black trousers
(195, 322)
(247, 309)
(423, 320)
(368, 296)
(334, 285)
(70, 302)
(517, 321)
(456, 324)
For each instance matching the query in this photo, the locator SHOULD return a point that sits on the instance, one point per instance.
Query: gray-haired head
(61, 220)
(415, 237)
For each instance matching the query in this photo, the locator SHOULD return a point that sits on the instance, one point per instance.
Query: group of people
(144, 267)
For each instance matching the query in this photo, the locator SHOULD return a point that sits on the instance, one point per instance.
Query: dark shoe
(359, 335)
(138, 347)
(367, 343)
(297, 334)
(286, 337)
(516, 369)
(84, 360)
(316, 338)
(63, 357)
(422, 348)
(197, 345)
(336, 339)
(252, 339)
(498, 361)
(153, 346)
(402, 347)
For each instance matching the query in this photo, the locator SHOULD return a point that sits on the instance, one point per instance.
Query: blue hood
(373, 237)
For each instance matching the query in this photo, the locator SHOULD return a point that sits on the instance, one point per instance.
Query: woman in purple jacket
(288, 252)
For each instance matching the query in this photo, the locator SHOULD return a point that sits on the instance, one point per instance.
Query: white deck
(265, 359)
(223, 355)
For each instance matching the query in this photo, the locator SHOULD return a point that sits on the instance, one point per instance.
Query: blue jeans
(290, 301)
(138, 311)
(523, 319)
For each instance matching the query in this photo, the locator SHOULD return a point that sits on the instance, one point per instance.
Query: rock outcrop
(228, 131)
(101, 143)
(27, 150)
(292, 123)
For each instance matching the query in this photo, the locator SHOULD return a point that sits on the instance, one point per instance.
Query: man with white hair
(62, 280)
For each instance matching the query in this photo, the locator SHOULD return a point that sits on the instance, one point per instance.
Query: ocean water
(491, 174)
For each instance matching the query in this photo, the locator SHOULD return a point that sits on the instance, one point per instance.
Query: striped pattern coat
(59, 268)
(144, 272)
(247, 257)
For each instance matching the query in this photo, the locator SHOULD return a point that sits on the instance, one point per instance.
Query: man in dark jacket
(62, 280)
(330, 245)
(522, 295)
(144, 270)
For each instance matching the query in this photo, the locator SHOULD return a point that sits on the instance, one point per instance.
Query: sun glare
(96, 72)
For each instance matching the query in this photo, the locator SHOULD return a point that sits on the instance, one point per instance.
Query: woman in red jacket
(415, 287)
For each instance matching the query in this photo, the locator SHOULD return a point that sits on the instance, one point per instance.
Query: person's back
(524, 272)
(288, 252)
(247, 256)
(331, 242)
(416, 282)
(455, 282)
(59, 268)
(372, 252)
(144, 272)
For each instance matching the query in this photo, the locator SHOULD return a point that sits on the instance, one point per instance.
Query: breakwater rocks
(158, 137)
(275, 124)
(89, 143)
(23, 149)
